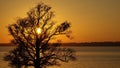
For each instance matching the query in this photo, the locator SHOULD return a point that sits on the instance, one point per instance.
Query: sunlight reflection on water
(87, 57)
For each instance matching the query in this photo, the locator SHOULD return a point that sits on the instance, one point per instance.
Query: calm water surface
(87, 57)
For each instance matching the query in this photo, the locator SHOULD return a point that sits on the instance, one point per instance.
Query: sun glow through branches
(38, 30)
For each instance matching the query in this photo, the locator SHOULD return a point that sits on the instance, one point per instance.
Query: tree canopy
(32, 34)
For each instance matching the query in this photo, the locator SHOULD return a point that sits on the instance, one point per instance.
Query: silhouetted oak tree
(34, 49)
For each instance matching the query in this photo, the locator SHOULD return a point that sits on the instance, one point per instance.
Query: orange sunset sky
(92, 20)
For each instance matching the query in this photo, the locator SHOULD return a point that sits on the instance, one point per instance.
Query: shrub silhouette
(34, 49)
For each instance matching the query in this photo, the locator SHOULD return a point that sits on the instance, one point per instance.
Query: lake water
(87, 57)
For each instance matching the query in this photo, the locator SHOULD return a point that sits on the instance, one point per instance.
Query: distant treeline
(79, 44)
(6, 44)
(93, 44)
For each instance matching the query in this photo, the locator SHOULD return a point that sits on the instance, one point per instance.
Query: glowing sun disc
(39, 30)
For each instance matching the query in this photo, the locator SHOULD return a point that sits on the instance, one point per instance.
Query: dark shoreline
(91, 44)
(94, 44)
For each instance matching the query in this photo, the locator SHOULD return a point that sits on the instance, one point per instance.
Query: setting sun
(38, 30)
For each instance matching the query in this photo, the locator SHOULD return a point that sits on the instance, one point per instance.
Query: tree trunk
(36, 64)
(37, 59)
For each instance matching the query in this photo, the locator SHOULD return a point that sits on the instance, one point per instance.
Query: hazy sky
(92, 20)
